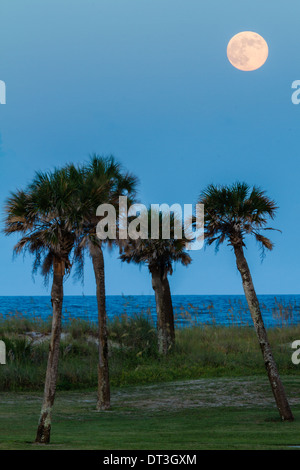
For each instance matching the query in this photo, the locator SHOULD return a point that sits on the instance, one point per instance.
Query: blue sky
(149, 82)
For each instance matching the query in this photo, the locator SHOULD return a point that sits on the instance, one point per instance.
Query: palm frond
(234, 211)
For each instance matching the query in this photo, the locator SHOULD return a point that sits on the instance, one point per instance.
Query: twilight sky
(149, 81)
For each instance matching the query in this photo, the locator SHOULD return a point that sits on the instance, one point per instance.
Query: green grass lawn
(211, 392)
(203, 414)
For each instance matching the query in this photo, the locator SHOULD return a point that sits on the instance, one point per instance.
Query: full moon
(247, 51)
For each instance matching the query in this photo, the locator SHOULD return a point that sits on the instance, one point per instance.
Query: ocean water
(281, 310)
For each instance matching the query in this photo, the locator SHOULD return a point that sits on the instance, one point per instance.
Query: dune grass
(201, 351)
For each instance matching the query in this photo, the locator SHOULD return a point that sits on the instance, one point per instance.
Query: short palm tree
(102, 181)
(232, 213)
(159, 255)
(44, 217)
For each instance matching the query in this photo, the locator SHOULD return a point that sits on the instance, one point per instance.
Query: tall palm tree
(44, 217)
(159, 255)
(102, 181)
(231, 213)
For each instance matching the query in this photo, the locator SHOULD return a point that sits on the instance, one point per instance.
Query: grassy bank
(204, 414)
(207, 351)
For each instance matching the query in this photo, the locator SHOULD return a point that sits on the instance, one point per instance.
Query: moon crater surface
(247, 51)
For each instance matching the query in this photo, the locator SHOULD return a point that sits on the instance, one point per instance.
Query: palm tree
(44, 217)
(231, 213)
(102, 181)
(159, 255)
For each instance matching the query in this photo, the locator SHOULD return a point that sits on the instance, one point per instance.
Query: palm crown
(101, 181)
(45, 215)
(104, 182)
(232, 212)
(160, 253)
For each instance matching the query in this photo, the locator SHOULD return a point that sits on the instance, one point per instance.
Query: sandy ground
(217, 392)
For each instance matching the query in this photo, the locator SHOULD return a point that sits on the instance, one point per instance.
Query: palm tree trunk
(164, 310)
(44, 427)
(273, 374)
(103, 402)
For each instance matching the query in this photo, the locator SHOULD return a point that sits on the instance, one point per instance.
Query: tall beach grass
(201, 351)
